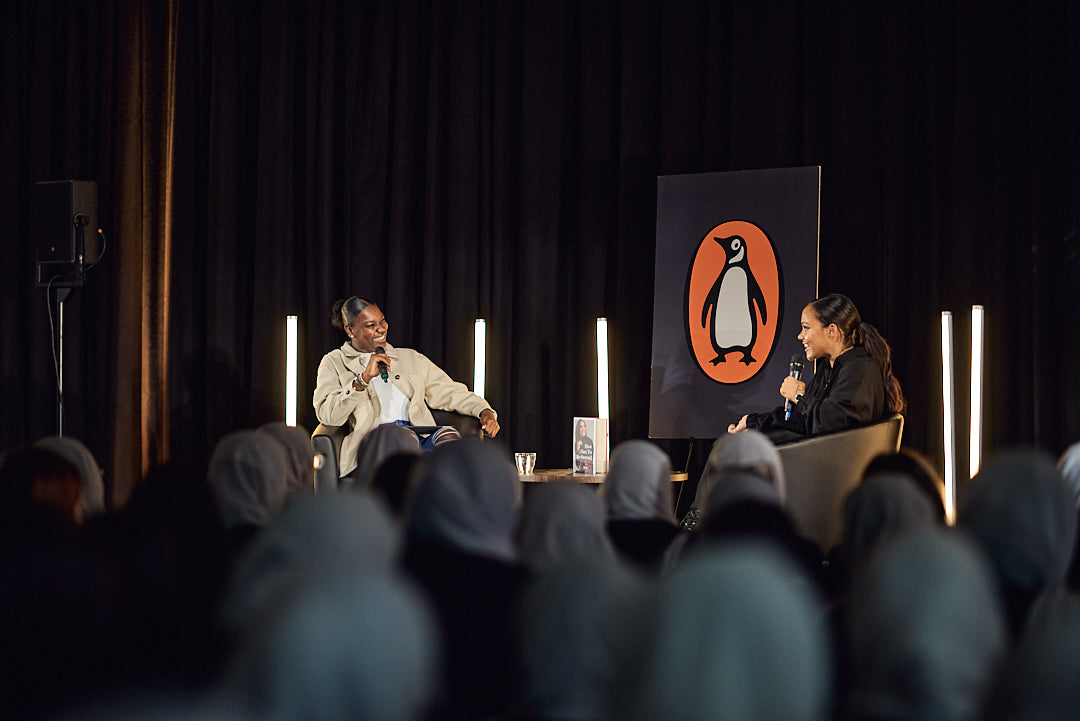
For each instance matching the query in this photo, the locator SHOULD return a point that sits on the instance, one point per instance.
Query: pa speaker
(64, 229)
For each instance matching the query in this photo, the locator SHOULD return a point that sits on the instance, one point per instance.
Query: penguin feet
(718, 359)
(747, 359)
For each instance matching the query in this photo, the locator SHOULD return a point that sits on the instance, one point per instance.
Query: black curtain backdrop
(457, 160)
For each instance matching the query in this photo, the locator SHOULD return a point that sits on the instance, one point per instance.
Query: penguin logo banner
(733, 302)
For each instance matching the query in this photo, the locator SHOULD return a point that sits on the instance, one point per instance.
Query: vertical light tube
(479, 356)
(948, 417)
(975, 443)
(601, 368)
(290, 370)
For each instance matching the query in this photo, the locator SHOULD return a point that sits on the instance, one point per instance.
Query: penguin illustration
(732, 298)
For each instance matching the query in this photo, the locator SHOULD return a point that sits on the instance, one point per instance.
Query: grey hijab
(248, 477)
(563, 522)
(638, 484)
(1020, 512)
(296, 442)
(727, 635)
(315, 536)
(377, 445)
(883, 506)
(571, 630)
(926, 630)
(466, 494)
(362, 646)
(76, 453)
(1069, 465)
(749, 450)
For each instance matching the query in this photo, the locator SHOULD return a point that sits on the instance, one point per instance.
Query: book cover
(590, 445)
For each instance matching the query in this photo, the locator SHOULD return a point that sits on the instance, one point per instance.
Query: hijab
(77, 454)
(1020, 512)
(1069, 465)
(638, 484)
(360, 646)
(296, 442)
(727, 636)
(562, 521)
(883, 506)
(750, 450)
(317, 535)
(247, 474)
(571, 635)
(377, 445)
(926, 630)
(466, 495)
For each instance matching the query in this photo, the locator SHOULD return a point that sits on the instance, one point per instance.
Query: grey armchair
(822, 470)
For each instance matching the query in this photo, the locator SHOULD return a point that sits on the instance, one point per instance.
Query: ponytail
(878, 350)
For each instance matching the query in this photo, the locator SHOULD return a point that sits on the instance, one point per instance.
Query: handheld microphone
(384, 372)
(795, 368)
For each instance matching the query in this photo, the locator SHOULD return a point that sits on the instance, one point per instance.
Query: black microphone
(795, 371)
(384, 372)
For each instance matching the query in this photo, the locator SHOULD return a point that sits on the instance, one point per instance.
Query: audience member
(571, 631)
(247, 474)
(916, 467)
(640, 511)
(460, 523)
(562, 522)
(353, 645)
(377, 445)
(925, 631)
(393, 478)
(1069, 465)
(1023, 517)
(316, 536)
(93, 483)
(296, 442)
(750, 450)
(727, 636)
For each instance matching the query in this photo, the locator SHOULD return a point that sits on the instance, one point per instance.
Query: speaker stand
(60, 294)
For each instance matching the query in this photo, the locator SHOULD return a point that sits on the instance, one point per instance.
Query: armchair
(822, 470)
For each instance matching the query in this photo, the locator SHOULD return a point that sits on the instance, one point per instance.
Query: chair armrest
(467, 426)
(327, 441)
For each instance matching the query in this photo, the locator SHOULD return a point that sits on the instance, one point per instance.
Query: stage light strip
(290, 370)
(948, 417)
(975, 443)
(602, 367)
(479, 356)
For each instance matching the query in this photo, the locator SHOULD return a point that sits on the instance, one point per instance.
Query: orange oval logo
(733, 302)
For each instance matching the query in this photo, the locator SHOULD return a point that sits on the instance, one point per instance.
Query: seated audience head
(727, 635)
(1038, 681)
(392, 480)
(466, 495)
(41, 493)
(1069, 465)
(296, 443)
(883, 506)
(377, 445)
(918, 469)
(571, 629)
(750, 451)
(357, 646)
(1020, 512)
(562, 522)
(248, 477)
(638, 484)
(315, 537)
(925, 630)
(839, 310)
(93, 483)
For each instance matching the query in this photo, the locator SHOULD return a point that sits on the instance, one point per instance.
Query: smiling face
(819, 341)
(368, 329)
